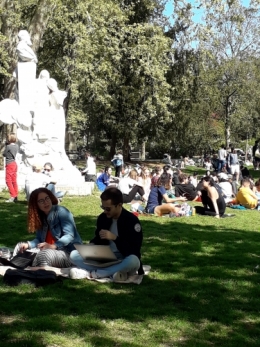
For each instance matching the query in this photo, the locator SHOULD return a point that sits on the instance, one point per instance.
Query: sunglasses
(47, 170)
(107, 209)
(42, 201)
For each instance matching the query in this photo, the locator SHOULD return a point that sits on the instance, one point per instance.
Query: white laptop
(97, 255)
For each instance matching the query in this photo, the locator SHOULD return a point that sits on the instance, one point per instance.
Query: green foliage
(132, 75)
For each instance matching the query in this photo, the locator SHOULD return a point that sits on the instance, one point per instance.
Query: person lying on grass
(122, 231)
(55, 230)
(158, 194)
(211, 197)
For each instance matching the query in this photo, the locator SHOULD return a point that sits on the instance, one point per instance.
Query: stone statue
(39, 115)
(23, 49)
(57, 115)
(41, 107)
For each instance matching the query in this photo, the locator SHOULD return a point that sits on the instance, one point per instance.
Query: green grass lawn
(203, 289)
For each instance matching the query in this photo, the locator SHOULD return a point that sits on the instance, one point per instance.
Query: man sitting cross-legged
(122, 231)
(184, 188)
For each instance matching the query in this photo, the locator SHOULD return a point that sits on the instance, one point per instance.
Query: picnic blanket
(64, 272)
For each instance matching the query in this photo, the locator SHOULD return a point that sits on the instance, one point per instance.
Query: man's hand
(45, 245)
(106, 234)
(182, 198)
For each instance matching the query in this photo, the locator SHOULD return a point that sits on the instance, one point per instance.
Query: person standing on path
(11, 149)
(222, 154)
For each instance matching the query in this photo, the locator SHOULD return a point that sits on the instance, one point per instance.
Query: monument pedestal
(82, 188)
(26, 87)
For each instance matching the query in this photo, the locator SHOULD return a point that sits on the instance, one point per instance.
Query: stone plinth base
(81, 189)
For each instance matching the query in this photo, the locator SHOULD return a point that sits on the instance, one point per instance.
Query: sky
(197, 18)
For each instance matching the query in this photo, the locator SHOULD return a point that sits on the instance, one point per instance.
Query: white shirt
(222, 153)
(90, 167)
(226, 188)
(126, 184)
(208, 165)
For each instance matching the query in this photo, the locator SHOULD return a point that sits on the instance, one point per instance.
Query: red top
(49, 238)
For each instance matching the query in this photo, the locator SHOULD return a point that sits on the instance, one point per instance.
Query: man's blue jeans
(221, 164)
(51, 187)
(129, 264)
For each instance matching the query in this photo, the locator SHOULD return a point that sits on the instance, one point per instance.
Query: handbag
(19, 261)
(257, 153)
(39, 278)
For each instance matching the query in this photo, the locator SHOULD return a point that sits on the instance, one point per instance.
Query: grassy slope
(203, 289)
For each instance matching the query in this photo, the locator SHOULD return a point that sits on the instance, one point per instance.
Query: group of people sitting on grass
(42, 176)
(155, 190)
(116, 227)
(162, 190)
(57, 235)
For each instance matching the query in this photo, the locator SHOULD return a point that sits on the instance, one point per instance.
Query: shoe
(76, 273)
(172, 215)
(15, 199)
(120, 276)
(10, 200)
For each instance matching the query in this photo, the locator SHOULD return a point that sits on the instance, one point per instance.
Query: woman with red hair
(55, 230)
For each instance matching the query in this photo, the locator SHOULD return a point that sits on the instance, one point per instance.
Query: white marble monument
(39, 115)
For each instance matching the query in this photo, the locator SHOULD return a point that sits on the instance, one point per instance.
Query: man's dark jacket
(130, 234)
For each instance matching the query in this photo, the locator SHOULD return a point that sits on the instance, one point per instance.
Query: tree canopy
(133, 75)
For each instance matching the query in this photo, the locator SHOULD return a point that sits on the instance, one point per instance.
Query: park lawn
(203, 289)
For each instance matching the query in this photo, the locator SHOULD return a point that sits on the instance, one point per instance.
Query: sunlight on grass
(203, 289)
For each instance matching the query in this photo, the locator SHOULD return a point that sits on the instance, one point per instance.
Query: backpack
(39, 278)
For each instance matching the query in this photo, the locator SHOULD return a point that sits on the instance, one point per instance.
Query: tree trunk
(126, 154)
(227, 121)
(143, 151)
(39, 22)
(113, 146)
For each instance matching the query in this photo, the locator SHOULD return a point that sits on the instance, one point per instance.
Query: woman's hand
(23, 246)
(45, 245)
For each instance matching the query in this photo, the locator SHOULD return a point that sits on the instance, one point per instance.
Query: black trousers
(129, 197)
(207, 212)
(118, 170)
(90, 178)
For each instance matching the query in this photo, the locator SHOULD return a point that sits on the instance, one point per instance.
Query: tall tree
(229, 41)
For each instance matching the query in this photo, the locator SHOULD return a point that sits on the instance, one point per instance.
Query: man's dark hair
(257, 183)
(245, 180)
(182, 177)
(113, 194)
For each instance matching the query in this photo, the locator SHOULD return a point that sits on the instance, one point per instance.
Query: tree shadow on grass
(203, 290)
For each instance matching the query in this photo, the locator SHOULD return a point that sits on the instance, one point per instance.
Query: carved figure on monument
(41, 107)
(57, 115)
(23, 49)
(39, 115)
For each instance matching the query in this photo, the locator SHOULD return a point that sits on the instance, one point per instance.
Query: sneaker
(120, 276)
(15, 199)
(172, 215)
(10, 200)
(76, 273)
